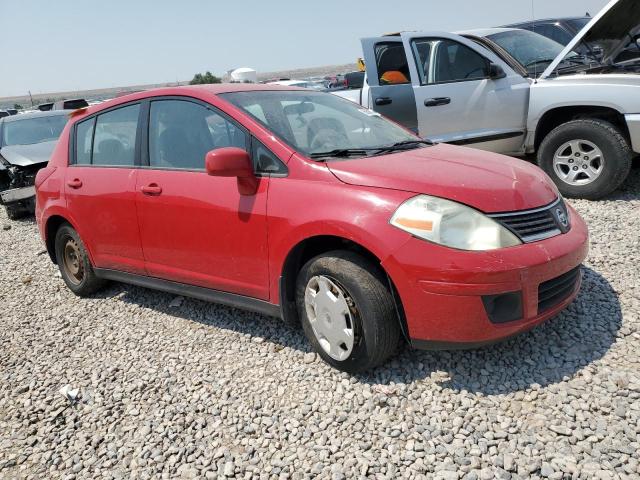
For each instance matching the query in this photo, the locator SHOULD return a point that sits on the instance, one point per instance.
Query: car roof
(547, 20)
(485, 32)
(186, 90)
(34, 114)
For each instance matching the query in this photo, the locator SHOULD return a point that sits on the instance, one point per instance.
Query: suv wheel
(73, 261)
(586, 158)
(347, 311)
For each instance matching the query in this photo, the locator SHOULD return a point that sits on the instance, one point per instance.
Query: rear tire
(574, 148)
(367, 326)
(74, 263)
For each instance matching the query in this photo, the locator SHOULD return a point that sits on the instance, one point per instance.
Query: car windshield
(315, 123)
(531, 50)
(33, 130)
(578, 23)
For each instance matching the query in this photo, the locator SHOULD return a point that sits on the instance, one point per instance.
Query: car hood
(486, 181)
(25, 155)
(612, 30)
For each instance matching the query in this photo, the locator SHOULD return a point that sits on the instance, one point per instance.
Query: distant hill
(102, 93)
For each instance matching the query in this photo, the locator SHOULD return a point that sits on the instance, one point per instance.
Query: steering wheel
(326, 140)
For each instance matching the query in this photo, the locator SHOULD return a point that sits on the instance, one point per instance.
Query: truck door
(461, 98)
(389, 78)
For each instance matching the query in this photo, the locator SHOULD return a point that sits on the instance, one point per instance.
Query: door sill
(201, 293)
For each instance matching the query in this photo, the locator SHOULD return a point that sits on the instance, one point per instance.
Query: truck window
(391, 60)
(444, 61)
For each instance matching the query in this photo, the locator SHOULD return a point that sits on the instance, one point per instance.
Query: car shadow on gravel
(551, 353)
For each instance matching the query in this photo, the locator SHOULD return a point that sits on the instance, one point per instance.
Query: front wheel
(586, 158)
(347, 311)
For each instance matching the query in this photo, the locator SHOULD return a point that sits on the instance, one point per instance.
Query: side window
(84, 141)
(182, 132)
(391, 60)
(114, 141)
(455, 62)
(264, 161)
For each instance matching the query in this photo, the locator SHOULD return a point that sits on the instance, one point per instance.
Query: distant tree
(208, 77)
(17, 106)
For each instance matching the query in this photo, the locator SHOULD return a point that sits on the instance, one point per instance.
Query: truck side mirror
(496, 72)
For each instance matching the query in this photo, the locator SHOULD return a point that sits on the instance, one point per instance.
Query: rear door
(457, 101)
(99, 187)
(389, 78)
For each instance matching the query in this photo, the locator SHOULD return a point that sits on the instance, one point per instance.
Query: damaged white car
(26, 143)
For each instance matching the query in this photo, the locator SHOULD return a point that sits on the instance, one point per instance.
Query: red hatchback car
(305, 206)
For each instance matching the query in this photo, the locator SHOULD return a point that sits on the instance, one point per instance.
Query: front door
(458, 102)
(197, 229)
(389, 80)
(100, 185)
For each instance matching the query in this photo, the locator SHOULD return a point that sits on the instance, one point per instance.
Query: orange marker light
(426, 225)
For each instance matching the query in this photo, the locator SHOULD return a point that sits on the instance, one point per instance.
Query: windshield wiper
(405, 145)
(536, 62)
(343, 153)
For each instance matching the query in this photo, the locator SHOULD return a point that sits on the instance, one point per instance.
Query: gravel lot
(171, 388)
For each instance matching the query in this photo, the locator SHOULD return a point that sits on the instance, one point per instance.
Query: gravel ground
(172, 388)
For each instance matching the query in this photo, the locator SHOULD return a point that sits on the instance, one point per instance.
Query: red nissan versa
(305, 206)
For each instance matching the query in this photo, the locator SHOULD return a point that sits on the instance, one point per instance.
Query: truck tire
(586, 158)
(74, 263)
(347, 311)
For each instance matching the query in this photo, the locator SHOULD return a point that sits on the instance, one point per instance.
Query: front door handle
(437, 102)
(383, 101)
(152, 189)
(75, 183)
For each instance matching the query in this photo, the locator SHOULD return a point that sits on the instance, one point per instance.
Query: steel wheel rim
(329, 310)
(578, 162)
(72, 261)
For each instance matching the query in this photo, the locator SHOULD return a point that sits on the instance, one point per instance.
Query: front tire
(347, 311)
(74, 263)
(586, 158)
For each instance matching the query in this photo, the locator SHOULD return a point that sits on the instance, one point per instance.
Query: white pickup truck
(515, 92)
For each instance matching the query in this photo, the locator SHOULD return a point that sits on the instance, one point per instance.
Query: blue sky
(57, 45)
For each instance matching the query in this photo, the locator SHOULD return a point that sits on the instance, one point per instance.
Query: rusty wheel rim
(72, 261)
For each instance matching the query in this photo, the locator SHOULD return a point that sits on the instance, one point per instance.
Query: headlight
(451, 224)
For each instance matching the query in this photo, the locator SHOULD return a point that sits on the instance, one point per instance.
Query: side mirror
(232, 162)
(496, 72)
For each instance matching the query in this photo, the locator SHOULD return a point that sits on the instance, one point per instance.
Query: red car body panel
(201, 231)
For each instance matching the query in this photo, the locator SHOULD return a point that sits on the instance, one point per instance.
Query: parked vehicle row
(305, 206)
(513, 91)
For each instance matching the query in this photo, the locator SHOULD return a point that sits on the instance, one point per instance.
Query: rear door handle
(75, 183)
(152, 189)
(437, 102)
(383, 101)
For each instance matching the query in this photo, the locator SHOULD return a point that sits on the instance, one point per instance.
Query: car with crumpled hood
(26, 143)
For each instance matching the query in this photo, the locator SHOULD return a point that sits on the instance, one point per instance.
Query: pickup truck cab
(516, 92)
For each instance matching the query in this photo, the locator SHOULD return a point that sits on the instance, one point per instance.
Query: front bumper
(16, 195)
(442, 289)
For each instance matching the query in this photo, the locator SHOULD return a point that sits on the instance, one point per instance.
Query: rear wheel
(74, 263)
(347, 311)
(586, 158)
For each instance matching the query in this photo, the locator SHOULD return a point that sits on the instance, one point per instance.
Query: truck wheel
(586, 158)
(14, 212)
(347, 311)
(74, 264)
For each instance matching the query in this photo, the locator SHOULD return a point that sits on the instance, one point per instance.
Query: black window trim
(146, 124)
(73, 145)
(427, 84)
(285, 173)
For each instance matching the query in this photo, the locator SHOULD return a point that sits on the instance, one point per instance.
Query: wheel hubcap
(72, 261)
(328, 308)
(578, 162)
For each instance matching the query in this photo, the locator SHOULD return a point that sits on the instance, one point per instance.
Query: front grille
(555, 291)
(534, 225)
